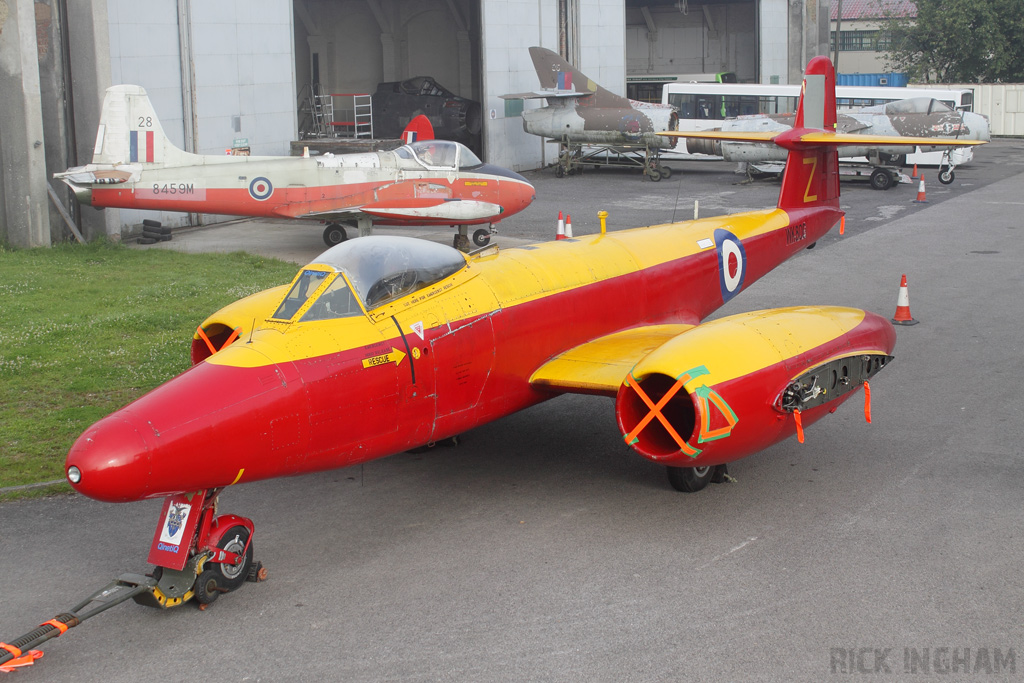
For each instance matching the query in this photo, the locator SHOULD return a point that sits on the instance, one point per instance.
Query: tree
(951, 41)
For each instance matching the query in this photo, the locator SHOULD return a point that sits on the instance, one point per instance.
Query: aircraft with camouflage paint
(920, 117)
(580, 112)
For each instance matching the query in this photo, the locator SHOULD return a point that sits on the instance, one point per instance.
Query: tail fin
(130, 132)
(812, 170)
(419, 128)
(555, 73)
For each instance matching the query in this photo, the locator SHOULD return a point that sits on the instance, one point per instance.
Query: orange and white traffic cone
(903, 316)
(920, 192)
(568, 227)
(560, 232)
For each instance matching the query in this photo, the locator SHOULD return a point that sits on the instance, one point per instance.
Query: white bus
(648, 87)
(704, 105)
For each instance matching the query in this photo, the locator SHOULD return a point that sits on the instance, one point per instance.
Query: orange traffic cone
(560, 232)
(903, 316)
(568, 227)
(914, 174)
(920, 192)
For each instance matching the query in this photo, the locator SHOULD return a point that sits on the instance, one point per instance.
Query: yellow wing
(824, 137)
(600, 365)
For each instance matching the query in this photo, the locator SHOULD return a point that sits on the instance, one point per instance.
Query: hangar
(240, 73)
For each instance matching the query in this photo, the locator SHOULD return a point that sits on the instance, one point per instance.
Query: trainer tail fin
(130, 132)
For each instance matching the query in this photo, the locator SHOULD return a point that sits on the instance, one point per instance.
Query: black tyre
(690, 479)
(654, 174)
(151, 223)
(231, 576)
(482, 237)
(559, 171)
(152, 235)
(881, 179)
(946, 175)
(207, 586)
(146, 240)
(665, 172)
(334, 234)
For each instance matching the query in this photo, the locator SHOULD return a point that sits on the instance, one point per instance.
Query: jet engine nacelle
(734, 386)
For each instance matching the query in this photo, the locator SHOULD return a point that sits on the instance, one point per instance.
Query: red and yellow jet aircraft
(432, 182)
(383, 344)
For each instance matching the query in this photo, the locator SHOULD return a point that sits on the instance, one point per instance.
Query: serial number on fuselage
(796, 233)
(174, 188)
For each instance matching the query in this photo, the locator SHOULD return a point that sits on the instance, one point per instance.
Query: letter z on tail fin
(129, 131)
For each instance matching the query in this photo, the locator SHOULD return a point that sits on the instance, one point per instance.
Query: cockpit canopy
(917, 105)
(369, 270)
(436, 154)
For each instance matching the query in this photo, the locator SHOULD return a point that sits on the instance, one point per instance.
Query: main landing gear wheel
(654, 174)
(559, 171)
(482, 237)
(881, 179)
(665, 172)
(946, 175)
(693, 479)
(219, 577)
(334, 234)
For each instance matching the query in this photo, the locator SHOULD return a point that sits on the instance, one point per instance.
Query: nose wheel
(198, 553)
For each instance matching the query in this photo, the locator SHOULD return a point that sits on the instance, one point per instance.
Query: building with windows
(861, 39)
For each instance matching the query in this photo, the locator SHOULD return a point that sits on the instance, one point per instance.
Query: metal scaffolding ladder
(359, 123)
(362, 105)
(323, 112)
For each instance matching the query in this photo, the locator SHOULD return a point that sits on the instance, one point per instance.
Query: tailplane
(130, 132)
(811, 178)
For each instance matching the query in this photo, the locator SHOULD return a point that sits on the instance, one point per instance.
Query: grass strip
(86, 329)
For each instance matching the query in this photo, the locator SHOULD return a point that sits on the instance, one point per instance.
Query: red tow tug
(197, 554)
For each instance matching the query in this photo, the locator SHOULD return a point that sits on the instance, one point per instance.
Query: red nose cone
(111, 461)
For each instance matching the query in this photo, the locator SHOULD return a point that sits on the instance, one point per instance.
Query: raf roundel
(732, 263)
(260, 189)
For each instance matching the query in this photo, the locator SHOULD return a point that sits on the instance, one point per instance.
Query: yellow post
(603, 215)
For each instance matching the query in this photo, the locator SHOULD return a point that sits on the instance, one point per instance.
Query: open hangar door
(426, 52)
(688, 37)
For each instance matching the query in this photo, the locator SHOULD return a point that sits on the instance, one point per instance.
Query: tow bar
(198, 555)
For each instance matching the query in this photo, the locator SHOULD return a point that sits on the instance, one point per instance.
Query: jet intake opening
(218, 334)
(655, 440)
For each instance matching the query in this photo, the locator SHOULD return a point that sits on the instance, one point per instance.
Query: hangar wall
(216, 72)
(356, 44)
(510, 27)
(703, 39)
